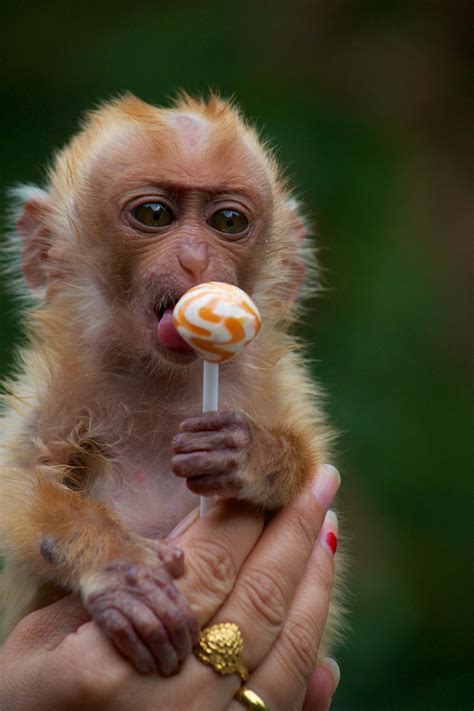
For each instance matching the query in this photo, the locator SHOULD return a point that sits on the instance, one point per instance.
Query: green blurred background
(369, 106)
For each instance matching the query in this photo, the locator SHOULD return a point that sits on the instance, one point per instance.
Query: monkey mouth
(166, 332)
(164, 304)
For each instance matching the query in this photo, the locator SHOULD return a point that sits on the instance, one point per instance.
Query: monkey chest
(146, 495)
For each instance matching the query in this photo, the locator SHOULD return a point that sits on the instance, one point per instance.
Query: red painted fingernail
(329, 530)
(331, 540)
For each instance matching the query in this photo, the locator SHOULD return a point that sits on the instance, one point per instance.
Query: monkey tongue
(168, 335)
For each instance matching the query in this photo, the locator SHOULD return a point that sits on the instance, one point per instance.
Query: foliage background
(369, 105)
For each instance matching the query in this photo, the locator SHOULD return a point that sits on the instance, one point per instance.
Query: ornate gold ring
(221, 647)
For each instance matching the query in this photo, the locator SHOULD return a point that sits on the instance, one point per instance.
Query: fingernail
(325, 485)
(333, 667)
(183, 525)
(329, 530)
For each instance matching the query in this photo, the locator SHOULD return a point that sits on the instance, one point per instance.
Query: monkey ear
(36, 242)
(294, 262)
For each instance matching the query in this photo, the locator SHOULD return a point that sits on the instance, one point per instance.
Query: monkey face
(167, 209)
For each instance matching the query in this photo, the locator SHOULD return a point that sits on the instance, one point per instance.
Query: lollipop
(216, 320)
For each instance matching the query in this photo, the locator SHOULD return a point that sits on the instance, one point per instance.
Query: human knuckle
(304, 525)
(300, 644)
(172, 552)
(212, 565)
(265, 596)
(323, 579)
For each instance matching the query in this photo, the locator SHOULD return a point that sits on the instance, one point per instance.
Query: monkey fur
(103, 445)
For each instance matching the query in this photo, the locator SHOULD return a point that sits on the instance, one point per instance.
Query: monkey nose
(194, 259)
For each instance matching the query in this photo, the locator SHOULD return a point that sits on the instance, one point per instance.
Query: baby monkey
(104, 448)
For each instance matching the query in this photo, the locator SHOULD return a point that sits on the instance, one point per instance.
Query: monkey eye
(153, 214)
(230, 222)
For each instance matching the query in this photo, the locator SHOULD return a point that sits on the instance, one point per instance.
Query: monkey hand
(134, 601)
(213, 452)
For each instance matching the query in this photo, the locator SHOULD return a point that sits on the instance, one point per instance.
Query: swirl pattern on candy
(217, 320)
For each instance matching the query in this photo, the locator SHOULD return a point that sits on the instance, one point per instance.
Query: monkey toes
(144, 614)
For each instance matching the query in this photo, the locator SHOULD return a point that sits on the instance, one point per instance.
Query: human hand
(271, 583)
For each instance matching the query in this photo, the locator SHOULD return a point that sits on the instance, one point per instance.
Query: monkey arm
(281, 461)
(62, 535)
(125, 581)
(48, 520)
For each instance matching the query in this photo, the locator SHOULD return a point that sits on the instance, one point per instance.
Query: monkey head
(145, 203)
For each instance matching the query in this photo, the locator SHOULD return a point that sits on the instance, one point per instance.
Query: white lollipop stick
(210, 387)
(217, 320)
(210, 403)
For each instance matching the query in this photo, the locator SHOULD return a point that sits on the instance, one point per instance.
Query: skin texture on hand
(273, 580)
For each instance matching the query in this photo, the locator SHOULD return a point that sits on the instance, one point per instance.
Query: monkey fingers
(154, 636)
(227, 485)
(180, 624)
(146, 617)
(168, 644)
(119, 629)
(226, 438)
(215, 421)
(224, 461)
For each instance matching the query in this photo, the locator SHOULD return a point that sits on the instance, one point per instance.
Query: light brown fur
(92, 404)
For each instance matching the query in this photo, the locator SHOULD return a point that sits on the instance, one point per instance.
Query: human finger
(216, 547)
(267, 582)
(283, 675)
(322, 684)
(184, 525)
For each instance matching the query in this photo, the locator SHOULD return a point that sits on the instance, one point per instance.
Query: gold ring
(221, 647)
(250, 699)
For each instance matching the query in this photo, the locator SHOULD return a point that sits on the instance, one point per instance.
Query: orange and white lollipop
(216, 320)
